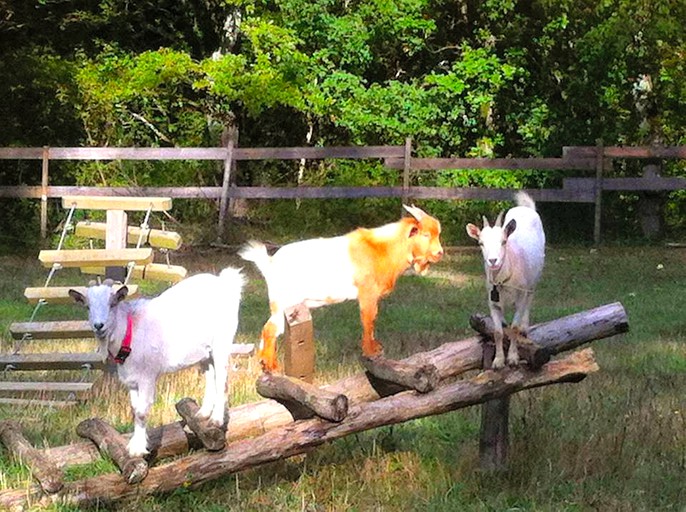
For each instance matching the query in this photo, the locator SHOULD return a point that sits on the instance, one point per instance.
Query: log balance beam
(281, 437)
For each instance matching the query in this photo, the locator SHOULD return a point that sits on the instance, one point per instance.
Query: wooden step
(152, 271)
(139, 204)
(96, 257)
(51, 361)
(59, 330)
(45, 387)
(242, 349)
(37, 402)
(152, 237)
(60, 294)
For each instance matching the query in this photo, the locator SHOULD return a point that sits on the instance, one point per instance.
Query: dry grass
(616, 441)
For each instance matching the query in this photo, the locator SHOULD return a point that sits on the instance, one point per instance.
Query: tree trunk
(450, 359)
(289, 440)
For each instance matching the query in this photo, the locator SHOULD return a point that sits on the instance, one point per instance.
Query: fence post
(407, 163)
(44, 194)
(599, 164)
(226, 183)
(494, 436)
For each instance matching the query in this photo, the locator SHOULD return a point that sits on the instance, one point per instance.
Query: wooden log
(494, 436)
(95, 257)
(112, 444)
(304, 435)
(211, 436)
(422, 378)
(450, 359)
(302, 399)
(42, 468)
(534, 354)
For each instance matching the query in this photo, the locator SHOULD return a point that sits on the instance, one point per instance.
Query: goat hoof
(498, 363)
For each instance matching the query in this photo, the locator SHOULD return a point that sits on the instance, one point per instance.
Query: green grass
(616, 441)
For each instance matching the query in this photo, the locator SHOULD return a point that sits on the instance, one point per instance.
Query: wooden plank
(290, 153)
(63, 329)
(152, 271)
(52, 361)
(60, 294)
(675, 152)
(297, 153)
(653, 184)
(38, 387)
(242, 349)
(435, 164)
(153, 237)
(96, 257)
(28, 402)
(138, 204)
(34, 192)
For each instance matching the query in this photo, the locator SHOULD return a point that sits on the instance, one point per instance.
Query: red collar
(125, 348)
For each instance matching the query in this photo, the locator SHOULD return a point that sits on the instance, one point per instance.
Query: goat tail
(524, 199)
(257, 253)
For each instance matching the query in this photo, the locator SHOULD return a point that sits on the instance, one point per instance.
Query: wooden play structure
(300, 416)
(128, 253)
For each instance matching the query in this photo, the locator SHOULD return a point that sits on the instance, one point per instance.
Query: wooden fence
(596, 158)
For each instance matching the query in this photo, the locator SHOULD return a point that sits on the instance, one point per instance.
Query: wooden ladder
(138, 262)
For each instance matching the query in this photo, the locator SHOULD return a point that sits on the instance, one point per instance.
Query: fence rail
(574, 189)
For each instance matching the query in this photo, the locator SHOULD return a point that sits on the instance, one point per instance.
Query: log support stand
(42, 468)
(298, 339)
(111, 443)
(421, 377)
(211, 436)
(302, 399)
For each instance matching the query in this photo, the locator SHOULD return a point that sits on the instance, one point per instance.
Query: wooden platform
(152, 271)
(96, 257)
(51, 361)
(60, 294)
(140, 204)
(152, 237)
(63, 329)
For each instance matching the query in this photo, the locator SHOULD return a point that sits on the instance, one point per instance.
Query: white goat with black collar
(514, 253)
(194, 321)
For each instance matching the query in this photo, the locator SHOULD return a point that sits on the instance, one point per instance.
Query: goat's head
(493, 240)
(424, 236)
(100, 300)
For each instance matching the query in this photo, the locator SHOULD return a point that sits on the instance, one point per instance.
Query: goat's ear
(119, 296)
(511, 226)
(413, 231)
(77, 296)
(417, 213)
(473, 231)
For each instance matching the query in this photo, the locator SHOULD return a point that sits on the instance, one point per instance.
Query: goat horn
(486, 224)
(417, 213)
(499, 220)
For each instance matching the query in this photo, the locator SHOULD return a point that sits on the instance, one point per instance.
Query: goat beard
(421, 267)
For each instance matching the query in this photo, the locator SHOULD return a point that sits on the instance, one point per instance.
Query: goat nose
(98, 326)
(493, 261)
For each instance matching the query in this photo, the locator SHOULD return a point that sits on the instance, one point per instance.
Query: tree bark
(422, 378)
(212, 437)
(42, 468)
(112, 443)
(450, 359)
(289, 440)
(303, 400)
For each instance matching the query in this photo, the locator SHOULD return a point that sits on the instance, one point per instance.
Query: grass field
(614, 442)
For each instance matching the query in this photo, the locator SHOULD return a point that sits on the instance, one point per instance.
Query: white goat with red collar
(194, 321)
(514, 253)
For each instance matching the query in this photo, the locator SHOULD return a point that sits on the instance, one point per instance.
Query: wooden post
(298, 343)
(407, 163)
(600, 160)
(494, 437)
(650, 203)
(44, 194)
(226, 183)
(115, 238)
